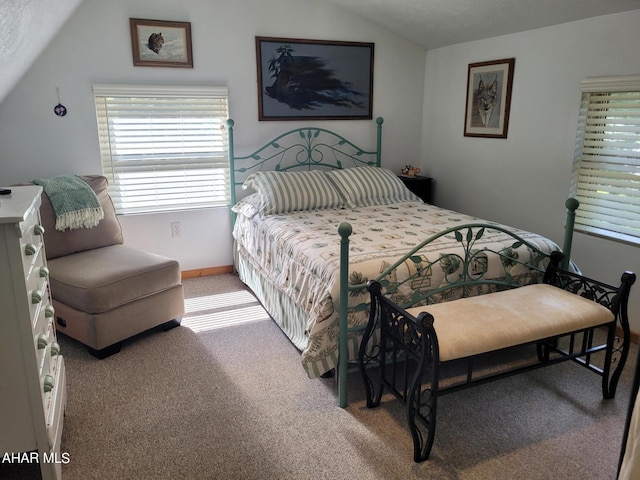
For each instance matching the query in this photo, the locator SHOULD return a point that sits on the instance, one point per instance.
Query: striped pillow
(283, 192)
(366, 186)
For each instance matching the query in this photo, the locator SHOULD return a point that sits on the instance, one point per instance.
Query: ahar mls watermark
(35, 457)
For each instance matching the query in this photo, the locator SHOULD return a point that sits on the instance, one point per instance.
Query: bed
(320, 216)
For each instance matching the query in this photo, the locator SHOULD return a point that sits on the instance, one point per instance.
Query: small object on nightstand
(410, 171)
(421, 186)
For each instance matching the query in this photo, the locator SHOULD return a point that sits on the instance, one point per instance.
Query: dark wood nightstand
(421, 186)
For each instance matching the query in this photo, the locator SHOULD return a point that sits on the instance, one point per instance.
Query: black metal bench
(403, 350)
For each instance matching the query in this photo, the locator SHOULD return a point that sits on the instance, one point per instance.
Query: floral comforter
(299, 253)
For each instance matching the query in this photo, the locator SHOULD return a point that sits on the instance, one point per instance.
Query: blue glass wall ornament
(60, 110)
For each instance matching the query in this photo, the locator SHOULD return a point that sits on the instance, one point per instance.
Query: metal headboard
(305, 148)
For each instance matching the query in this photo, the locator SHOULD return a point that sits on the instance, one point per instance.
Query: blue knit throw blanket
(74, 202)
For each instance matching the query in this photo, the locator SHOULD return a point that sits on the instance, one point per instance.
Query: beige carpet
(224, 397)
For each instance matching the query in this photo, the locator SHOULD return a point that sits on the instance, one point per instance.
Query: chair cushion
(107, 232)
(99, 280)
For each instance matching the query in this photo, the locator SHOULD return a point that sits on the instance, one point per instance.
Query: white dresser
(32, 374)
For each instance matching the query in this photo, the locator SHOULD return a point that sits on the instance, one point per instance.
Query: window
(606, 168)
(163, 148)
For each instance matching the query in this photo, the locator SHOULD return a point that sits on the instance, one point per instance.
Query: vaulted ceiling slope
(27, 26)
(438, 23)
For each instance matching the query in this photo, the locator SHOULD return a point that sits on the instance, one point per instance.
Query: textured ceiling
(437, 23)
(26, 28)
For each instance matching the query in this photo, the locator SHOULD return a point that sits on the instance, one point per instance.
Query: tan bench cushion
(99, 280)
(474, 325)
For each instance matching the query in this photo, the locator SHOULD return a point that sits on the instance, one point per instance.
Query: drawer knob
(49, 383)
(55, 348)
(30, 249)
(49, 311)
(38, 229)
(43, 341)
(36, 296)
(44, 272)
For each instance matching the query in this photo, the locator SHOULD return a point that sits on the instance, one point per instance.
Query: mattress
(291, 261)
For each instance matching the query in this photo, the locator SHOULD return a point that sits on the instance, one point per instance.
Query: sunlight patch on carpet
(222, 300)
(211, 312)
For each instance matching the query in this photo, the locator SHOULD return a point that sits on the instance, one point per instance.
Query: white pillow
(283, 192)
(248, 206)
(366, 186)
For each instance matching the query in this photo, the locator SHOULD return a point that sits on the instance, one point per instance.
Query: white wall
(524, 180)
(94, 47)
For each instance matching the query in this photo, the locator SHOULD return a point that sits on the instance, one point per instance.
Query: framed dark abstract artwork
(489, 87)
(314, 79)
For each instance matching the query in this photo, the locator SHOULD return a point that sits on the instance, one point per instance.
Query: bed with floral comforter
(299, 254)
(302, 188)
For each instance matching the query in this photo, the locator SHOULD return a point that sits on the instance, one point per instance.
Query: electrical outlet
(176, 230)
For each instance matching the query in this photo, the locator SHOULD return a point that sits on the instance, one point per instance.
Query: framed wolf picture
(489, 87)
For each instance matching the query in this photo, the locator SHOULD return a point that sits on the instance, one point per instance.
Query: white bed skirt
(285, 313)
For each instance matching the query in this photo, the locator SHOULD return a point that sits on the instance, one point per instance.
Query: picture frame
(489, 87)
(159, 43)
(314, 79)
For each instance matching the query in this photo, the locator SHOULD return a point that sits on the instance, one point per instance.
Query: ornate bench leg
(615, 299)
(421, 419)
(617, 354)
(421, 401)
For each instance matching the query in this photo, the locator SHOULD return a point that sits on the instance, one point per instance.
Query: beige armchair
(103, 291)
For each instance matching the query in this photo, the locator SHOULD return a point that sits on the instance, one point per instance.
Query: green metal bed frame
(304, 148)
(308, 148)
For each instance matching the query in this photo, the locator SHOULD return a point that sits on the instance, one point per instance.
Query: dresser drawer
(49, 381)
(37, 295)
(55, 403)
(30, 229)
(47, 348)
(32, 256)
(26, 226)
(43, 356)
(46, 314)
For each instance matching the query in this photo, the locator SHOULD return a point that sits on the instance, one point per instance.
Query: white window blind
(163, 148)
(606, 169)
